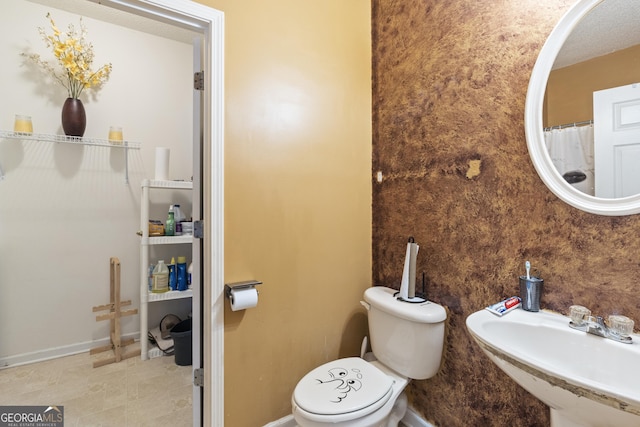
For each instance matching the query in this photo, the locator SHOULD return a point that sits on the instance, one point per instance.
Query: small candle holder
(23, 125)
(115, 135)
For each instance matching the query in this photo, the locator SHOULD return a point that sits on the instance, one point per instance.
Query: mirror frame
(534, 127)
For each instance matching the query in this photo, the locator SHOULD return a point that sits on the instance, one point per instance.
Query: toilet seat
(342, 390)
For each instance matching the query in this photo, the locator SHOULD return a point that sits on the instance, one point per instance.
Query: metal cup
(530, 291)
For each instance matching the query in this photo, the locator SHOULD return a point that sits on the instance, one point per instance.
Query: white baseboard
(287, 421)
(411, 419)
(55, 352)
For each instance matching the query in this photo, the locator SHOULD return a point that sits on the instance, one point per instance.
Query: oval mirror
(586, 21)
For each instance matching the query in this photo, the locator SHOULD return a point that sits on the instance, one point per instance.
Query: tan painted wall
(569, 97)
(298, 193)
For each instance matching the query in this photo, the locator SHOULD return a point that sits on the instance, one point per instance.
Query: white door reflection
(616, 113)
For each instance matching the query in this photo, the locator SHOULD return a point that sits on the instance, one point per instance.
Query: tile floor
(132, 393)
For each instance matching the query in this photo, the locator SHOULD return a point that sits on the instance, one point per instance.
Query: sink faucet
(619, 329)
(596, 326)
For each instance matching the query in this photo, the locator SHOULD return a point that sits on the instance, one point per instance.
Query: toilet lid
(342, 386)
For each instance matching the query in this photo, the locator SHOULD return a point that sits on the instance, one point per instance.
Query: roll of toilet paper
(241, 299)
(162, 163)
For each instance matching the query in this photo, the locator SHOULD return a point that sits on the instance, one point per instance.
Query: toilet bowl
(352, 392)
(347, 392)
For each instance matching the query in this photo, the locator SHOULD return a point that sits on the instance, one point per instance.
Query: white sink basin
(585, 380)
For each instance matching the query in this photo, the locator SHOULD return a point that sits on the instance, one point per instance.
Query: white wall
(65, 209)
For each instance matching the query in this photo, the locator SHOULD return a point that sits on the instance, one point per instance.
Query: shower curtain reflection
(571, 150)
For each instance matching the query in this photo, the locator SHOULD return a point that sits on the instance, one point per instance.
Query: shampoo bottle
(182, 273)
(170, 227)
(173, 281)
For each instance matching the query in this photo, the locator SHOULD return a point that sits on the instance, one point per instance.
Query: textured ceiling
(611, 26)
(93, 9)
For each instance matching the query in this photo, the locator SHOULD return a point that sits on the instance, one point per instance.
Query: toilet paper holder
(240, 285)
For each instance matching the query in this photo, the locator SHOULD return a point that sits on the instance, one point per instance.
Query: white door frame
(210, 23)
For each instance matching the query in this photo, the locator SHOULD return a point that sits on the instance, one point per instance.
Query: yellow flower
(69, 61)
(75, 55)
(55, 29)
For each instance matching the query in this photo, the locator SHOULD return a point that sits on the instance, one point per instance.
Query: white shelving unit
(43, 137)
(146, 242)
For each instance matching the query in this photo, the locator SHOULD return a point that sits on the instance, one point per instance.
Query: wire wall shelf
(95, 142)
(69, 140)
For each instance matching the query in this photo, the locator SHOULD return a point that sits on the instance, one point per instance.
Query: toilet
(406, 339)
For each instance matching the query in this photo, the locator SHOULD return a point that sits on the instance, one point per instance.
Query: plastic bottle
(160, 282)
(178, 216)
(189, 273)
(177, 213)
(170, 227)
(182, 273)
(173, 281)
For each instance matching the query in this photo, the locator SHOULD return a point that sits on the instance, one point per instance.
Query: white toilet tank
(406, 337)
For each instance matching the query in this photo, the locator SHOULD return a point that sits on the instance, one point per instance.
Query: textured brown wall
(450, 82)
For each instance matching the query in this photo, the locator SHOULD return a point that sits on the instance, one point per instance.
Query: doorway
(209, 22)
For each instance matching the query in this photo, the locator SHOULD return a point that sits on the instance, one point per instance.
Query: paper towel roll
(162, 163)
(408, 283)
(404, 284)
(412, 270)
(241, 299)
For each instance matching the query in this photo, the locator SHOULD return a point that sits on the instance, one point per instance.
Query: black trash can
(181, 334)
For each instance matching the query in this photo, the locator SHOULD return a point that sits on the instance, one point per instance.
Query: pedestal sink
(584, 379)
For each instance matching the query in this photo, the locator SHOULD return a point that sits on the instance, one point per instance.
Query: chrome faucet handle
(579, 316)
(620, 328)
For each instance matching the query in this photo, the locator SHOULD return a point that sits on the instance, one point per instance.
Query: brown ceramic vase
(74, 119)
